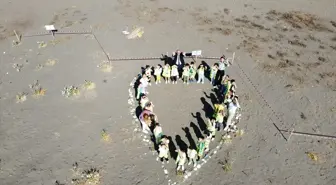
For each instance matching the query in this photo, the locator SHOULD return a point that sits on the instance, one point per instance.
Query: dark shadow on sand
(197, 131)
(207, 108)
(189, 137)
(212, 97)
(180, 143)
(200, 120)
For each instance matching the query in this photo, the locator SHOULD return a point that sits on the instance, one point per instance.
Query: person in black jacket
(178, 60)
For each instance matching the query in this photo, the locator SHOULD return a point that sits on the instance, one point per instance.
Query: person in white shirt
(163, 153)
(174, 74)
(192, 155)
(223, 63)
(233, 105)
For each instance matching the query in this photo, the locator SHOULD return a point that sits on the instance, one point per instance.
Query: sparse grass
(21, 97)
(297, 43)
(71, 91)
(105, 67)
(37, 90)
(41, 44)
(179, 173)
(226, 165)
(18, 67)
(39, 67)
(227, 139)
(88, 85)
(51, 62)
(302, 116)
(285, 64)
(59, 40)
(87, 177)
(105, 136)
(239, 133)
(312, 156)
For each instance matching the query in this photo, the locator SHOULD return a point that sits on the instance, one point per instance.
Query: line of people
(226, 108)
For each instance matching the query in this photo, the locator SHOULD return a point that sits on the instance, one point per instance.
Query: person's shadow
(207, 108)
(172, 148)
(136, 85)
(180, 143)
(197, 131)
(167, 60)
(212, 97)
(207, 71)
(189, 137)
(200, 121)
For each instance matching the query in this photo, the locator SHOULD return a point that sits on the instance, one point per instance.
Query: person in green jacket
(200, 148)
(192, 70)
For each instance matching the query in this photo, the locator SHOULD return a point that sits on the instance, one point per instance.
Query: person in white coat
(233, 105)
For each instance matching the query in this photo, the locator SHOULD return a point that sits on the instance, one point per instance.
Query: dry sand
(287, 49)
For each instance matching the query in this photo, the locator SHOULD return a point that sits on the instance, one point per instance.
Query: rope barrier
(265, 102)
(158, 58)
(310, 134)
(44, 33)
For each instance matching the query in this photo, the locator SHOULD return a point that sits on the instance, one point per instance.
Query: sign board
(50, 27)
(196, 53)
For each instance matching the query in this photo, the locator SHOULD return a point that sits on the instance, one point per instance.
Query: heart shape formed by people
(196, 129)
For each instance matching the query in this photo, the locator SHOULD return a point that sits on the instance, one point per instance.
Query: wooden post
(17, 37)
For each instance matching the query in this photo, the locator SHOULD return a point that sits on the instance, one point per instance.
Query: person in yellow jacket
(211, 127)
(166, 73)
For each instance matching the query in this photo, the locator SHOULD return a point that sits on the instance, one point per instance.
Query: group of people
(225, 108)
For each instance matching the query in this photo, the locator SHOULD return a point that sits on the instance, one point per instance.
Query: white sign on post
(50, 27)
(196, 53)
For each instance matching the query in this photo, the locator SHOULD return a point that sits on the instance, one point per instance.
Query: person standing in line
(181, 160)
(207, 141)
(178, 60)
(166, 73)
(163, 153)
(174, 74)
(219, 119)
(200, 148)
(157, 133)
(141, 90)
(221, 69)
(200, 73)
(211, 127)
(143, 101)
(192, 155)
(192, 71)
(157, 73)
(185, 74)
(213, 72)
(233, 105)
(148, 73)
